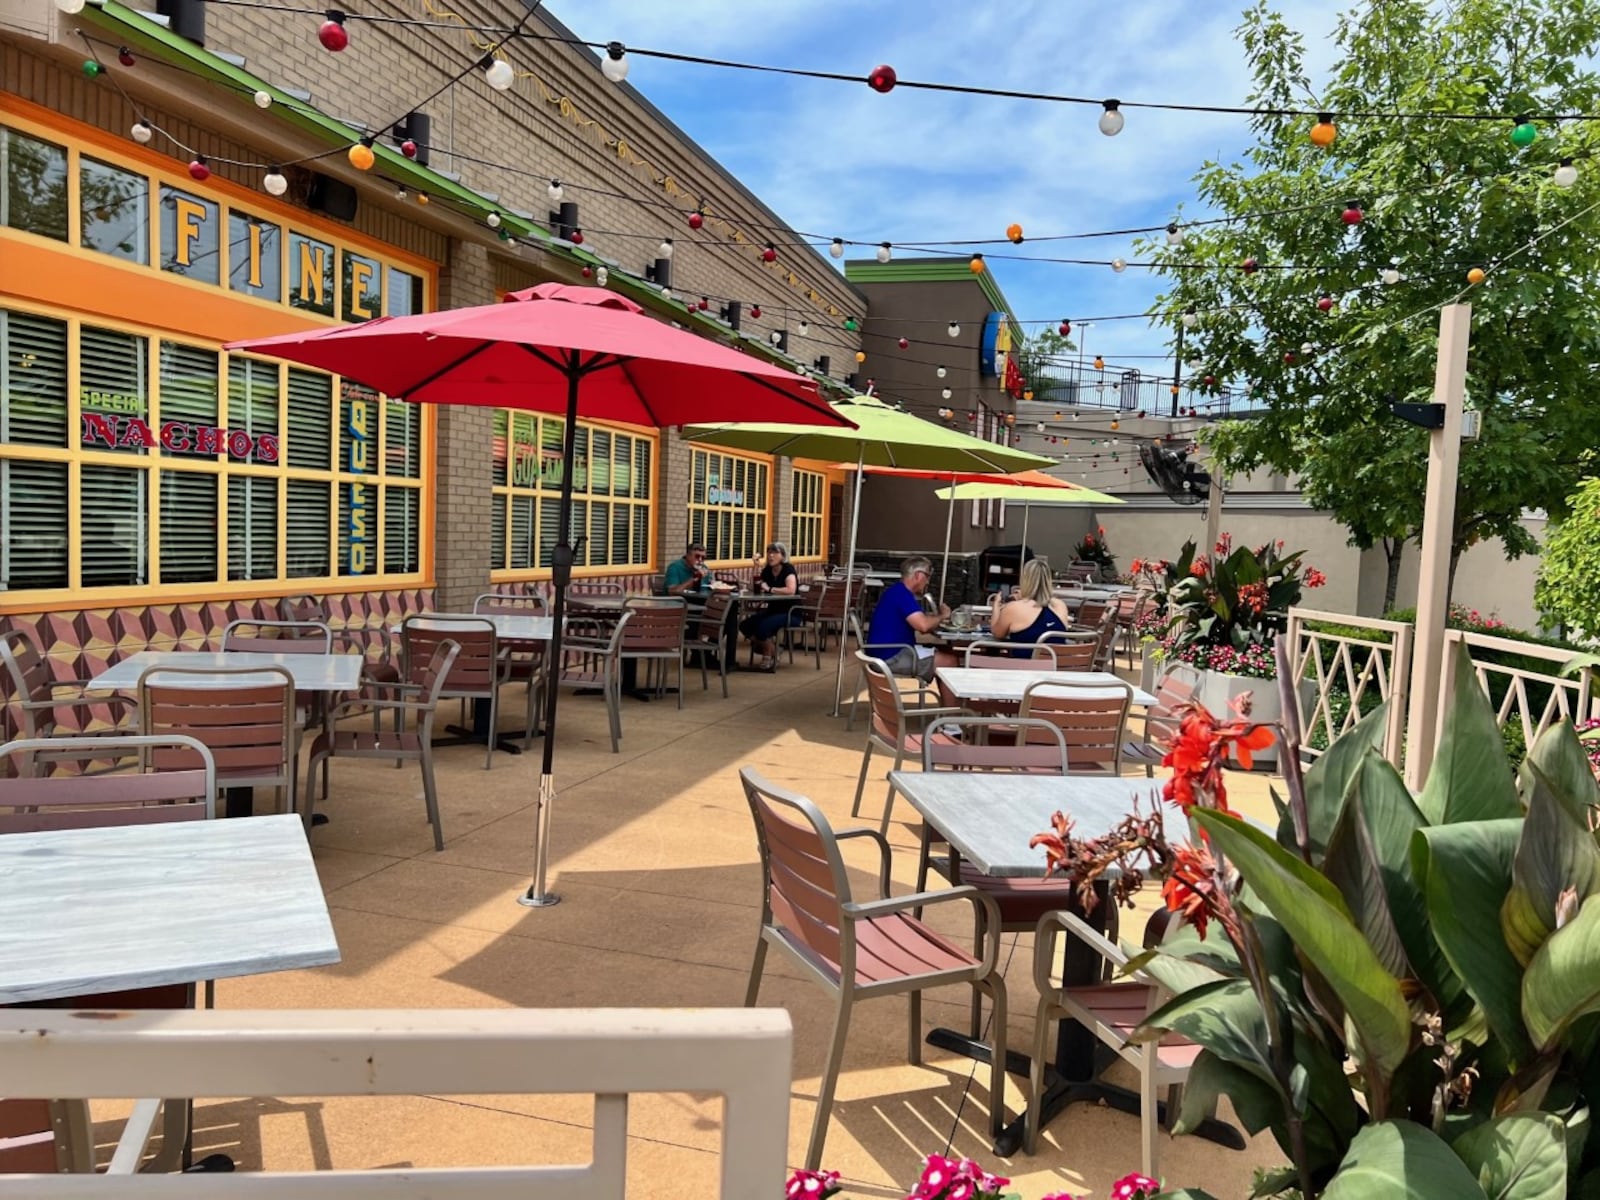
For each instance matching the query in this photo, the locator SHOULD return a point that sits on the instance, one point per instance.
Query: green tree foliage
(1438, 197)
(1568, 588)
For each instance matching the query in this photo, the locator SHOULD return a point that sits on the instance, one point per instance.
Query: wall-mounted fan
(1174, 474)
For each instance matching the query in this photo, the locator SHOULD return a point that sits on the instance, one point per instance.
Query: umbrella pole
(561, 575)
(849, 576)
(949, 525)
(1022, 555)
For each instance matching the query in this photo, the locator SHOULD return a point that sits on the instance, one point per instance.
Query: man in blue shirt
(689, 576)
(900, 616)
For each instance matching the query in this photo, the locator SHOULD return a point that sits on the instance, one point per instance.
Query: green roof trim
(933, 270)
(140, 31)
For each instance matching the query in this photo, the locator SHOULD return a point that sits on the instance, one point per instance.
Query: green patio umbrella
(883, 437)
(1024, 494)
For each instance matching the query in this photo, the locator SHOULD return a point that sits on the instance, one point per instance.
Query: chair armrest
(113, 698)
(885, 855)
(135, 1137)
(348, 708)
(923, 714)
(1044, 944)
(978, 899)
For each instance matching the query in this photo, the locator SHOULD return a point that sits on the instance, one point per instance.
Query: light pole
(1082, 329)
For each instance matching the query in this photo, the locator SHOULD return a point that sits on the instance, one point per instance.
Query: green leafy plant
(1565, 591)
(1407, 989)
(1236, 599)
(1093, 547)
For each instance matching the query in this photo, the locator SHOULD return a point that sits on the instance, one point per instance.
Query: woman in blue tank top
(1033, 612)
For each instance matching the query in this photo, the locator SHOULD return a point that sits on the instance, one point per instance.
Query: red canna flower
(1315, 578)
(1191, 882)
(1201, 747)
(1199, 568)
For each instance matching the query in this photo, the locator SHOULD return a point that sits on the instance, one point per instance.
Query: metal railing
(1568, 699)
(1342, 664)
(741, 1054)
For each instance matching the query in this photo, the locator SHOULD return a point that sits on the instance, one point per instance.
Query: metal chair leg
(830, 1077)
(996, 988)
(430, 796)
(1041, 1031)
(914, 1040)
(756, 967)
(888, 800)
(861, 784)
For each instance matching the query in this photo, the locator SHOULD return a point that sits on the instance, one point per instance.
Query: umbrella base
(546, 900)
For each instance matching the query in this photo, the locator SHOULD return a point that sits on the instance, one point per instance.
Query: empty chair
(399, 746)
(892, 726)
(137, 794)
(244, 717)
(1105, 651)
(476, 672)
(1006, 656)
(859, 950)
(655, 634)
(1090, 613)
(594, 587)
(880, 653)
(36, 697)
(1174, 689)
(591, 657)
(1073, 650)
(277, 637)
(1129, 607)
(520, 661)
(516, 604)
(1093, 720)
(820, 614)
(708, 638)
(1111, 1011)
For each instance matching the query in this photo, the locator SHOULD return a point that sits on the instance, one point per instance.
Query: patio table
(113, 908)
(998, 685)
(508, 627)
(988, 819)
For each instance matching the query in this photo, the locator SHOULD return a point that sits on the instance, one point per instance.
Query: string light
(125, 56)
(499, 74)
(614, 66)
(1190, 318)
(1174, 234)
(861, 356)
(91, 68)
(1475, 276)
(1111, 120)
(1249, 266)
(770, 253)
(1119, 265)
(602, 276)
(884, 253)
(1523, 133)
(975, 265)
(804, 328)
(665, 249)
(263, 99)
(141, 132)
(1324, 131)
(71, 7)
(882, 79)
(1014, 233)
(1565, 175)
(1065, 328)
(836, 248)
(492, 220)
(274, 182)
(953, 329)
(1352, 213)
(198, 169)
(945, 393)
(1325, 302)
(332, 33)
(361, 156)
(941, 372)
(696, 219)
(1390, 276)
(755, 312)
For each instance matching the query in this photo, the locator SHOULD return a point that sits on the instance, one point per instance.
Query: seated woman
(777, 578)
(1033, 612)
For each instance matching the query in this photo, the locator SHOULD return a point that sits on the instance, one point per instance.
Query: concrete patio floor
(655, 859)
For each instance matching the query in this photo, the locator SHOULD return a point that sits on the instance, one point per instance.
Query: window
(612, 512)
(33, 185)
(115, 209)
(179, 465)
(190, 235)
(805, 519)
(728, 505)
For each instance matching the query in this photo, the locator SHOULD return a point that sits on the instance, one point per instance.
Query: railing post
(1399, 698)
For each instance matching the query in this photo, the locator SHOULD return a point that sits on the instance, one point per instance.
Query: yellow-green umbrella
(1025, 494)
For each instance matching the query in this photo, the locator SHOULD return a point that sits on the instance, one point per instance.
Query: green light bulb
(1523, 133)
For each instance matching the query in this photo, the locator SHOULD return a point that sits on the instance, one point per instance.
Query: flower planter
(1218, 690)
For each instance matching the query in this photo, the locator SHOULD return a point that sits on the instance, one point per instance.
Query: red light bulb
(576, 237)
(332, 33)
(1250, 266)
(125, 56)
(882, 79)
(696, 220)
(198, 169)
(904, 344)
(1065, 329)
(408, 148)
(1288, 358)
(587, 272)
(755, 312)
(1325, 303)
(770, 254)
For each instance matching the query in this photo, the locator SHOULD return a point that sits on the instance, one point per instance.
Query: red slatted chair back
(1072, 652)
(803, 876)
(476, 671)
(1092, 720)
(514, 604)
(888, 709)
(135, 796)
(656, 628)
(245, 718)
(278, 637)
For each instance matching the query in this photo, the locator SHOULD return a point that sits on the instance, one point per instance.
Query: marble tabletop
(990, 683)
(508, 627)
(310, 672)
(84, 911)
(989, 816)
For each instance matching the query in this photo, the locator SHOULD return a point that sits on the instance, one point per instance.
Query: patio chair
(860, 950)
(520, 662)
(1105, 651)
(244, 717)
(476, 673)
(1093, 720)
(821, 613)
(1073, 650)
(1175, 688)
(710, 637)
(891, 727)
(1111, 1011)
(401, 747)
(655, 635)
(594, 587)
(30, 692)
(285, 637)
(591, 657)
(989, 654)
(1129, 607)
(871, 651)
(136, 796)
(516, 604)
(1090, 614)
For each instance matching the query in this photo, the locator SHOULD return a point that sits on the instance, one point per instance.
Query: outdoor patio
(655, 858)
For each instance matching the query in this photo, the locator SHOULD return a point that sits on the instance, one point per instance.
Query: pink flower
(1135, 1187)
(1315, 578)
(1060, 1196)
(811, 1185)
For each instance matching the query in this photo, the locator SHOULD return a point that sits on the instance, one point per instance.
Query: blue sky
(840, 160)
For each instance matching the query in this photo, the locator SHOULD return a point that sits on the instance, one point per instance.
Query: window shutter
(401, 509)
(188, 527)
(33, 525)
(116, 524)
(33, 380)
(188, 393)
(252, 528)
(307, 533)
(310, 424)
(497, 532)
(522, 515)
(114, 371)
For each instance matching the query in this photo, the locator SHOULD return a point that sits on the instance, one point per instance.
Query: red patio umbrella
(558, 349)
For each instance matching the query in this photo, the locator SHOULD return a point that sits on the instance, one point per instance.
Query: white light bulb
(614, 66)
(500, 75)
(70, 7)
(941, 372)
(775, 337)
(141, 133)
(1306, 348)
(263, 99)
(803, 329)
(1566, 174)
(1190, 320)
(1174, 235)
(602, 276)
(836, 248)
(1119, 265)
(555, 191)
(945, 393)
(665, 249)
(666, 293)
(1391, 276)
(885, 253)
(953, 329)
(1111, 120)
(275, 183)
(493, 220)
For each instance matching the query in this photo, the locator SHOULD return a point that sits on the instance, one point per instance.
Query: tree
(1566, 591)
(1040, 358)
(1435, 198)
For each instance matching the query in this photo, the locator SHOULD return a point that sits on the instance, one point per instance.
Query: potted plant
(1401, 988)
(1222, 612)
(1093, 548)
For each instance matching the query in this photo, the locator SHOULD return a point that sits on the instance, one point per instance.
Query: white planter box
(1217, 692)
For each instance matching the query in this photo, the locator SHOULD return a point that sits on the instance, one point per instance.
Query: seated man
(900, 616)
(689, 576)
